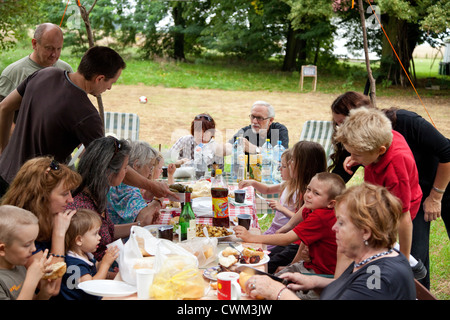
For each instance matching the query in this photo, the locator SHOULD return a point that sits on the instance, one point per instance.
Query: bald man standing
(47, 44)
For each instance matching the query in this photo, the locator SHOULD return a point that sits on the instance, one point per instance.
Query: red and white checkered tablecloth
(232, 210)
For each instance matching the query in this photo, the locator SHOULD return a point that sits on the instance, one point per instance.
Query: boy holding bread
(18, 231)
(315, 229)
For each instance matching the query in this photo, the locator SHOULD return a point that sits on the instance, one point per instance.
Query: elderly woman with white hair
(127, 204)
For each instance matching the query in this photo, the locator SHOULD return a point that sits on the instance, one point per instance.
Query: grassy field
(224, 74)
(213, 73)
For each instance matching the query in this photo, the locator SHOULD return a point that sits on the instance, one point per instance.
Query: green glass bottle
(187, 217)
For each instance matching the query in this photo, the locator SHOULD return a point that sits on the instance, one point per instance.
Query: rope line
(406, 73)
(60, 24)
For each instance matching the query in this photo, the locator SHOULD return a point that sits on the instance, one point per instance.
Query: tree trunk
(178, 36)
(372, 93)
(290, 55)
(403, 37)
(87, 23)
(295, 50)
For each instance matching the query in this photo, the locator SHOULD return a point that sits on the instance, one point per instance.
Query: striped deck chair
(321, 132)
(120, 125)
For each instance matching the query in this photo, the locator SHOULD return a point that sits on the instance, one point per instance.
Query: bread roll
(58, 270)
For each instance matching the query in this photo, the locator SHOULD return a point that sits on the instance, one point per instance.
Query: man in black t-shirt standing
(55, 115)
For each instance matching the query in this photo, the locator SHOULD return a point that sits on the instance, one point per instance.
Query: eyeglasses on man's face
(259, 119)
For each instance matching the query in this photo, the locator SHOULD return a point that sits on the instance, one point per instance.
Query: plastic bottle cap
(218, 171)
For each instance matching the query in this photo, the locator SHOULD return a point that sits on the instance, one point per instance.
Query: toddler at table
(287, 206)
(82, 239)
(18, 230)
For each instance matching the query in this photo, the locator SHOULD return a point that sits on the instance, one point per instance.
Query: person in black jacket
(262, 127)
(431, 151)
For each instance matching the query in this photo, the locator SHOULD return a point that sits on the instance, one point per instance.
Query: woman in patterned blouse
(102, 166)
(127, 204)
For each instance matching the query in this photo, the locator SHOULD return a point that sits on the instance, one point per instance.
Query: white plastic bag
(205, 249)
(141, 240)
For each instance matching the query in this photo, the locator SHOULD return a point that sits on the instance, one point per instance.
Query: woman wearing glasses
(202, 131)
(43, 186)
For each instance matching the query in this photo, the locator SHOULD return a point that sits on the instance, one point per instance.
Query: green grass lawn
(226, 74)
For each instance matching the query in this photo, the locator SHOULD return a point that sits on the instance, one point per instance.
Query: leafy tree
(16, 16)
(310, 33)
(407, 23)
(246, 29)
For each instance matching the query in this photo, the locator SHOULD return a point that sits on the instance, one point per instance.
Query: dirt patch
(169, 111)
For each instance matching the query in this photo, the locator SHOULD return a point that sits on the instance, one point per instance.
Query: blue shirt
(76, 268)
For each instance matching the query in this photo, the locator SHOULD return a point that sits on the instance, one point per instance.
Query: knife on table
(253, 271)
(261, 198)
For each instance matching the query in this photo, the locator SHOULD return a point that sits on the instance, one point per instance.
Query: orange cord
(401, 63)
(60, 24)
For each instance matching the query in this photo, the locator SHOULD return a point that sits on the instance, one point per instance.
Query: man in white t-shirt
(47, 44)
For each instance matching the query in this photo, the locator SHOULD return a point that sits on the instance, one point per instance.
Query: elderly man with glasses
(262, 127)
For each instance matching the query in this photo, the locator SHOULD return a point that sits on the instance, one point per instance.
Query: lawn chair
(122, 125)
(118, 124)
(321, 132)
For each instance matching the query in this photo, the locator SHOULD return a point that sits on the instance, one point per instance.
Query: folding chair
(121, 125)
(321, 132)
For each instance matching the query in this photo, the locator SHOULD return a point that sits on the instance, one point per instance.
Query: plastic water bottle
(234, 160)
(240, 160)
(199, 164)
(266, 169)
(276, 162)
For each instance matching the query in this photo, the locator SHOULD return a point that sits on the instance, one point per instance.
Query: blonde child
(18, 230)
(287, 206)
(82, 239)
(387, 159)
(158, 169)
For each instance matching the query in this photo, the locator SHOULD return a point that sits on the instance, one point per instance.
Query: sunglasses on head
(54, 165)
(117, 146)
(203, 116)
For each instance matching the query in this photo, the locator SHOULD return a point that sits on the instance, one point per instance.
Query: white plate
(211, 273)
(264, 260)
(107, 288)
(247, 203)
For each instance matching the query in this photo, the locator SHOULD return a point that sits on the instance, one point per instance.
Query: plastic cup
(244, 220)
(239, 196)
(144, 281)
